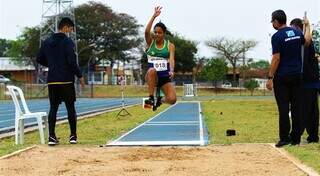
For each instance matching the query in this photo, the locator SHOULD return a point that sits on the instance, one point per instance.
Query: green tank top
(159, 52)
(158, 58)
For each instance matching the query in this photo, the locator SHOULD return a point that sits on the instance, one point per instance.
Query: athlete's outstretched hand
(157, 11)
(306, 21)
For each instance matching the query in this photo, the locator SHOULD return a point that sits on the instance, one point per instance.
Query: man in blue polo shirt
(285, 76)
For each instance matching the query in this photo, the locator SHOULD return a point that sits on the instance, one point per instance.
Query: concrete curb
(17, 152)
(306, 169)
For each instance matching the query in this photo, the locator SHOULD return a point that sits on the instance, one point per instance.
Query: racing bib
(160, 64)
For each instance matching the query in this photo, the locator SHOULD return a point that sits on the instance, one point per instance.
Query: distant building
(103, 74)
(15, 71)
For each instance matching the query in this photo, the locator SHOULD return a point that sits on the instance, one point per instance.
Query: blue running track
(83, 106)
(180, 124)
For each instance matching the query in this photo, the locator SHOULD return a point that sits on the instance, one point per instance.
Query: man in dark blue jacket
(58, 54)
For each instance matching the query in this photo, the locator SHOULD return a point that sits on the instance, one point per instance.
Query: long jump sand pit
(236, 159)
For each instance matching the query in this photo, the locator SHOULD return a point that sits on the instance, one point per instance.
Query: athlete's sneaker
(73, 139)
(149, 102)
(53, 141)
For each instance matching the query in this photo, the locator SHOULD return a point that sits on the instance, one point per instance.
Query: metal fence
(33, 91)
(29, 90)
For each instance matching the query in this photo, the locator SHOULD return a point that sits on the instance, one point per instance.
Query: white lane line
(80, 109)
(1, 121)
(156, 143)
(202, 143)
(174, 124)
(62, 114)
(79, 105)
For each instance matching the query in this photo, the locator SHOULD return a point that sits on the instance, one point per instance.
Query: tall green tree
(200, 63)
(251, 85)
(261, 64)
(215, 70)
(98, 28)
(24, 50)
(115, 33)
(4, 47)
(185, 53)
(245, 67)
(232, 50)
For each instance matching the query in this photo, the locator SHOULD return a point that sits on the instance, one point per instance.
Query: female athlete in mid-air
(160, 54)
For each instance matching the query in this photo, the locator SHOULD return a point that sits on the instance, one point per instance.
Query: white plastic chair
(26, 114)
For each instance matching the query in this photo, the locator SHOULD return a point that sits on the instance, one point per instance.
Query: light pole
(87, 47)
(90, 77)
(90, 74)
(78, 89)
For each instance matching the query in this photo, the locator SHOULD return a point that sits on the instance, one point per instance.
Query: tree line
(118, 37)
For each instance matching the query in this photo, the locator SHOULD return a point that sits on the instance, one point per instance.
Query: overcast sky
(198, 20)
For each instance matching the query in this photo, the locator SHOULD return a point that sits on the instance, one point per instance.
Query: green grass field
(255, 121)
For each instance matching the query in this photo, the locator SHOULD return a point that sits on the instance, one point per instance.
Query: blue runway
(83, 106)
(180, 124)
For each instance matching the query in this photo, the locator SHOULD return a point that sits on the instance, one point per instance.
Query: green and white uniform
(158, 58)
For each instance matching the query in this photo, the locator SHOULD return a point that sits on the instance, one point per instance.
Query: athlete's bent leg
(151, 79)
(170, 93)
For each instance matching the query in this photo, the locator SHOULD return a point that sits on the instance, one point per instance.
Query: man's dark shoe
(313, 139)
(159, 101)
(53, 140)
(282, 143)
(73, 139)
(295, 142)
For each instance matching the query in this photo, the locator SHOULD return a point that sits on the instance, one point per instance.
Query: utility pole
(52, 12)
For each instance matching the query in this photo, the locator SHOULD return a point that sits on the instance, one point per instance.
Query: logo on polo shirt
(290, 33)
